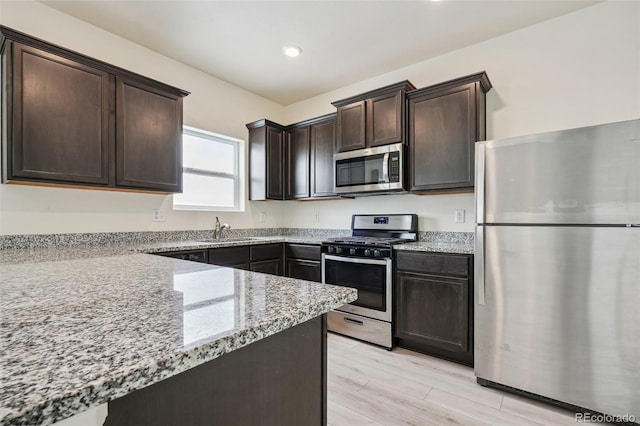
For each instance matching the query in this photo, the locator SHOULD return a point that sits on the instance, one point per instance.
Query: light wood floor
(368, 385)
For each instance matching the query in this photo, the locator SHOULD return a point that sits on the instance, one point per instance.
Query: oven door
(371, 277)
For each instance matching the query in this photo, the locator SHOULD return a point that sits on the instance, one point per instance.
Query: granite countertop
(224, 242)
(438, 247)
(442, 246)
(85, 325)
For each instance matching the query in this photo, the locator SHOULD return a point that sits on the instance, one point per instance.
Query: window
(212, 170)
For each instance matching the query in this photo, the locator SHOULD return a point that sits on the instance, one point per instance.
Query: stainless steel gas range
(364, 261)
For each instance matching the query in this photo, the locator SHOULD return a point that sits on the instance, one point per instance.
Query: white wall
(213, 105)
(579, 69)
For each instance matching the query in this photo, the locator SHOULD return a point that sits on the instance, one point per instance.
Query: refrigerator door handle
(480, 170)
(478, 264)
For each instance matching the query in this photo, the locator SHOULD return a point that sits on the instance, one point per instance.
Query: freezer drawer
(367, 329)
(561, 314)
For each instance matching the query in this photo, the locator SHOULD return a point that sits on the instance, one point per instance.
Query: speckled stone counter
(225, 242)
(67, 252)
(441, 242)
(82, 326)
(440, 247)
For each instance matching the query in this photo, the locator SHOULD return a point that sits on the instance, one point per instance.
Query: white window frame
(237, 176)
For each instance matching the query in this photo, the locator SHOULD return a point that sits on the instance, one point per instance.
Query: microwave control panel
(394, 167)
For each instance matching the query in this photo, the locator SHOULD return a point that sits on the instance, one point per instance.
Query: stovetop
(374, 235)
(368, 241)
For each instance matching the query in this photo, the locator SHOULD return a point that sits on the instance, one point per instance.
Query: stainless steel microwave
(376, 170)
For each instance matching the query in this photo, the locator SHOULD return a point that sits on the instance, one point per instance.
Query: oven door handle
(354, 259)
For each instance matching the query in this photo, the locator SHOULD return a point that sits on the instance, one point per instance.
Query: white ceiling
(343, 42)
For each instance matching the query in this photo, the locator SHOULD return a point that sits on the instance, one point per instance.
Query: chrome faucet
(217, 231)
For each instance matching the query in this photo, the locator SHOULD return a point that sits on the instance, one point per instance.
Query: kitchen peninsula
(163, 341)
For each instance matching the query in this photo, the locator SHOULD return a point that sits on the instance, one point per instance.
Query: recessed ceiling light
(292, 50)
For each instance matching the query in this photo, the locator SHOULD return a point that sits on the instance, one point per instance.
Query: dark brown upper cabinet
(297, 152)
(323, 146)
(293, 162)
(310, 158)
(266, 160)
(445, 121)
(74, 120)
(149, 124)
(56, 132)
(373, 118)
(351, 127)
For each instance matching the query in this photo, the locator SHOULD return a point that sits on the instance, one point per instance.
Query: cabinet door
(309, 270)
(433, 311)
(148, 137)
(323, 143)
(60, 118)
(267, 266)
(384, 119)
(297, 170)
(351, 127)
(442, 135)
(275, 163)
(230, 256)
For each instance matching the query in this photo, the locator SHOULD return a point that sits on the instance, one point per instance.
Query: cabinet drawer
(272, 266)
(229, 256)
(309, 270)
(446, 264)
(194, 255)
(303, 251)
(265, 252)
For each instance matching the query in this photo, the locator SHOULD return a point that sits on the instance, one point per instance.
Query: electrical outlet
(316, 216)
(157, 216)
(458, 216)
(262, 217)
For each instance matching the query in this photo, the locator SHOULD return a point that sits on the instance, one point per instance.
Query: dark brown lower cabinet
(309, 270)
(266, 258)
(234, 257)
(303, 262)
(192, 255)
(272, 267)
(434, 304)
(280, 380)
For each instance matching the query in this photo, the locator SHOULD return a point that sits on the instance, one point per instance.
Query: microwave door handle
(385, 168)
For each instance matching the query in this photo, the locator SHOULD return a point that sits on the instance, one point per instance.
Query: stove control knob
(367, 252)
(338, 250)
(331, 249)
(376, 253)
(352, 251)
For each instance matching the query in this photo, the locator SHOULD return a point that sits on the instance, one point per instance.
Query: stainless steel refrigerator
(557, 266)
